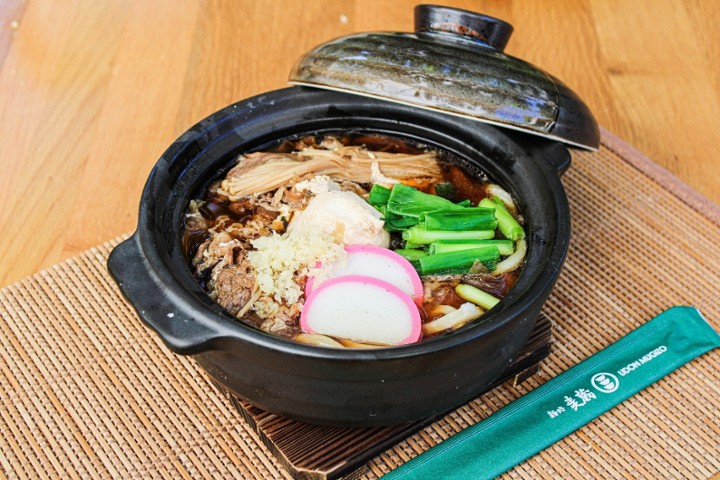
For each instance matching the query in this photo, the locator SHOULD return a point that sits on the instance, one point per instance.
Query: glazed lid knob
(464, 23)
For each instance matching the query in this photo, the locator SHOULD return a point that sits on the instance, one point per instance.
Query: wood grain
(91, 93)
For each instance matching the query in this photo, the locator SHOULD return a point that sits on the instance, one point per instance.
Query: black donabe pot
(329, 386)
(444, 77)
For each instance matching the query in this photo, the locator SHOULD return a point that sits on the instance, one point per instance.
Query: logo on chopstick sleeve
(605, 382)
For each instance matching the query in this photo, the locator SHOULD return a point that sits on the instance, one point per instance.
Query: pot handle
(162, 311)
(557, 155)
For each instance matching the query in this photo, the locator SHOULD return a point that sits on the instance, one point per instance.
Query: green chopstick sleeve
(568, 401)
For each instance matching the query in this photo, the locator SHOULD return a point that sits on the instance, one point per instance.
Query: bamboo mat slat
(87, 392)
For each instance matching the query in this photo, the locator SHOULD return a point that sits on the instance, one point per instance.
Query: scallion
(476, 296)
(506, 222)
(412, 255)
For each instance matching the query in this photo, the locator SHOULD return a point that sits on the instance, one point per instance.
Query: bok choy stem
(466, 219)
(505, 247)
(420, 236)
(463, 259)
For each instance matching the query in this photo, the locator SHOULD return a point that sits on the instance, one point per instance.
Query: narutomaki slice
(377, 262)
(363, 309)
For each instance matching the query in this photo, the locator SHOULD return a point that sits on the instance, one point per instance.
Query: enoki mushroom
(352, 163)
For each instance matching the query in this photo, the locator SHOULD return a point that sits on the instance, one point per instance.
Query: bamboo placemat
(325, 453)
(87, 392)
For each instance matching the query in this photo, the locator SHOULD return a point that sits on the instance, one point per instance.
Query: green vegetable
(505, 247)
(421, 236)
(411, 202)
(506, 222)
(442, 236)
(459, 219)
(411, 254)
(446, 190)
(461, 260)
(379, 195)
(398, 223)
(476, 296)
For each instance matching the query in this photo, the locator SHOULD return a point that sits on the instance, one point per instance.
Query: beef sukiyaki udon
(354, 242)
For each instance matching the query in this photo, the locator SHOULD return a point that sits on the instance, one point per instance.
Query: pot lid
(453, 63)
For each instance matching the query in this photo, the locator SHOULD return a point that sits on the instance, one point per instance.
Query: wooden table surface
(92, 92)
